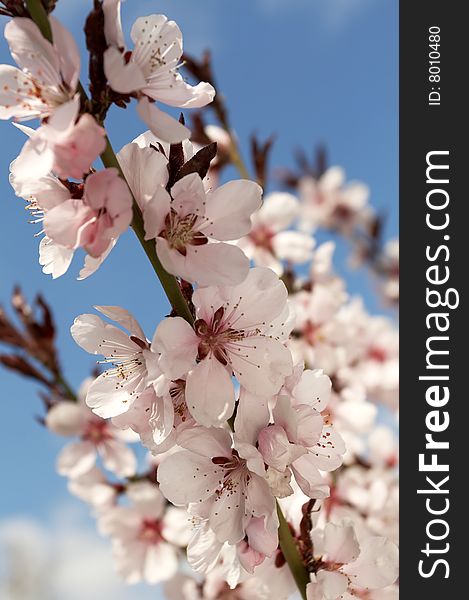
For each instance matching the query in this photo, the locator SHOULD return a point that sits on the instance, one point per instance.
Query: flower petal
(189, 195)
(261, 364)
(108, 396)
(112, 23)
(179, 93)
(124, 318)
(67, 418)
(122, 77)
(340, 543)
(64, 222)
(98, 337)
(32, 52)
(278, 211)
(211, 442)
(378, 564)
(179, 479)
(314, 389)
(293, 246)
(210, 393)
(118, 458)
(67, 53)
(216, 264)
(76, 459)
(54, 258)
(161, 124)
(252, 415)
(146, 172)
(308, 477)
(177, 343)
(229, 209)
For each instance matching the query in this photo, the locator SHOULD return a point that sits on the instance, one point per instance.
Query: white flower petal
(98, 337)
(308, 477)
(229, 209)
(67, 418)
(261, 365)
(161, 124)
(340, 543)
(76, 459)
(210, 393)
(179, 482)
(118, 458)
(122, 77)
(293, 246)
(54, 258)
(278, 211)
(178, 344)
(378, 564)
(124, 318)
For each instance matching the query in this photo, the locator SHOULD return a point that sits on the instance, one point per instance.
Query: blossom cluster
(257, 403)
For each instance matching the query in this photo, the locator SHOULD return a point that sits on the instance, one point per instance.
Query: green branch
(39, 16)
(291, 554)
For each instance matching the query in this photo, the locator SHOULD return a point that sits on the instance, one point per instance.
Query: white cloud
(64, 561)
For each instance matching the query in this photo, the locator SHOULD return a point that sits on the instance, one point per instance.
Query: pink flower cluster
(264, 396)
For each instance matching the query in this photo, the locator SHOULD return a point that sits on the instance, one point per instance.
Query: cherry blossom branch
(171, 286)
(291, 554)
(109, 159)
(31, 348)
(168, 282)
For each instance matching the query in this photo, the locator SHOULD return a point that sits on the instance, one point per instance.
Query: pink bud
(78, 148)
(107, 194)
(276, 448)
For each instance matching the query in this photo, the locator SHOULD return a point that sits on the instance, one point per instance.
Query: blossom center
(216, 336)
(177, 393)
(181, 232)
(262, 237)
(96, 431)
(377, 354)
(150, 531)
(236, 473)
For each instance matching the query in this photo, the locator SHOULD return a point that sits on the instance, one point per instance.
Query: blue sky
(309, 71)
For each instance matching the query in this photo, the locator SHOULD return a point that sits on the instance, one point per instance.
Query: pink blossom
(187, 222)
(351, 564)
(209, 472)
(48, 72)
(94, 488)
(190, 226)
(96, 220)
(97, 437)
(78, 148)
(150, 70)
(115, 390)
(239, 330)
(158, 419)
(43, 194)
(296, 439)
(269, 243)
(145, 535)
(329, 202)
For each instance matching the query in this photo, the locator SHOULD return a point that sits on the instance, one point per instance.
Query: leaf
(199, 163)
